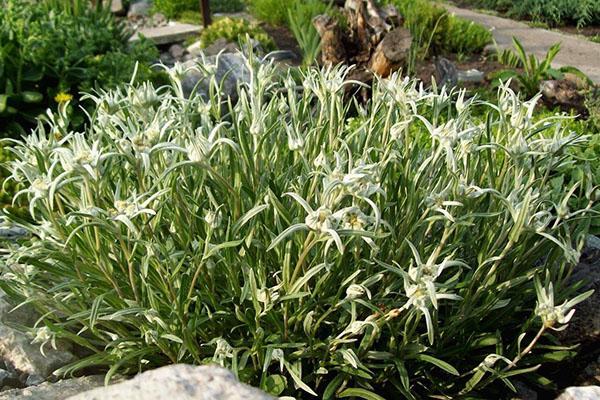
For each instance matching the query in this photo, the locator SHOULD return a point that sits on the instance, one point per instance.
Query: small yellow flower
(63, 97)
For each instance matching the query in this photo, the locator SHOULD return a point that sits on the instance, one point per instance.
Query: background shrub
(174, 8)
(235, 30)
(48, 55)
(273, 12)
(414, 250)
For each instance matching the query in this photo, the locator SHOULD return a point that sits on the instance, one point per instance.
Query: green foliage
(528, 70)
(300, 16)
(274, 12)
(552, 12)
(175, 8)
(8, 188)
(413, 251)
(436, 31)
(235, 30)
(46, 52)
(465, 37)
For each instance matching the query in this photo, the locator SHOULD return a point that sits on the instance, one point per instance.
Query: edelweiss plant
(391, 254)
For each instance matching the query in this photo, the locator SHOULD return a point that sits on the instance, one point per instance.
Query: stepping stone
(172, 33)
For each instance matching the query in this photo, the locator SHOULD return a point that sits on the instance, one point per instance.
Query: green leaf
(3, 102)
(361, 393)
(32, 97)
(438, 363)
(275, 384)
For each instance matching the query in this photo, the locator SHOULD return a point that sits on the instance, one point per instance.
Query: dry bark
(373, 39)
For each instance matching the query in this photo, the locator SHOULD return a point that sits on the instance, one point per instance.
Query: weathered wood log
(391, 53)
(333, 51)
(372, 39)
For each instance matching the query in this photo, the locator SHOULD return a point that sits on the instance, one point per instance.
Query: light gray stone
(12, 233)
(593, 243)
(54, 391)
(220, 45)
(17, 351)
(178, 382)
(584, 327)
(195, 48)
(172, 33)
(177, 51)
(139, 9)
(116, 7)
(580, 393)
(281, 55)
(471, 75)
(230, 69)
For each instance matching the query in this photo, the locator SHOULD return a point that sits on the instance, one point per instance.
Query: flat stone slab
(171, 33)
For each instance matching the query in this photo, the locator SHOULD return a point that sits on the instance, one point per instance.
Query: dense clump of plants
(49, 54)
(235, 30)
(407, 251)
(175, 8)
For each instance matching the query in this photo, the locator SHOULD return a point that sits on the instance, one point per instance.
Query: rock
(590, 375)
(580, 393)
(195, 48)
(584, 327)
(167, 59)
(178, 382)
(159, 19)
(220, 45)
(230, 69)
(177, 51)
(173, 32)
(54, 391)
(140, 8)
(524, 392)
(471, 75)
(563, 93)
(11, 233)
(116, 7)
(446, 72)
(20, 355)
(281, 55)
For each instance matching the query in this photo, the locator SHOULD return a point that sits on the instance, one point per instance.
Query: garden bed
(424, 238)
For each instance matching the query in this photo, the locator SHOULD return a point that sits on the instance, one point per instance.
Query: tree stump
(372, 39)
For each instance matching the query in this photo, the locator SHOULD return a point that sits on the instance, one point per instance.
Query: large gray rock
(584, 328)
(178, 382)
(19, 355)
(580, 393)
(230, 69)
(54, 391)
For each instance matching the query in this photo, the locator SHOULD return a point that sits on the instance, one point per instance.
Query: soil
(284, 39)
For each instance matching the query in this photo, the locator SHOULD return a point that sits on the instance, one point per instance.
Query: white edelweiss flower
(295, 143)
(213, 218)
(321, 220)
(552, 315)
(124, 207)
(40, 186)
(355, 291)
(321, 160)
(353, 218)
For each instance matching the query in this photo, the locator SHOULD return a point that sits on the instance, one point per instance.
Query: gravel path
(575, 51)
